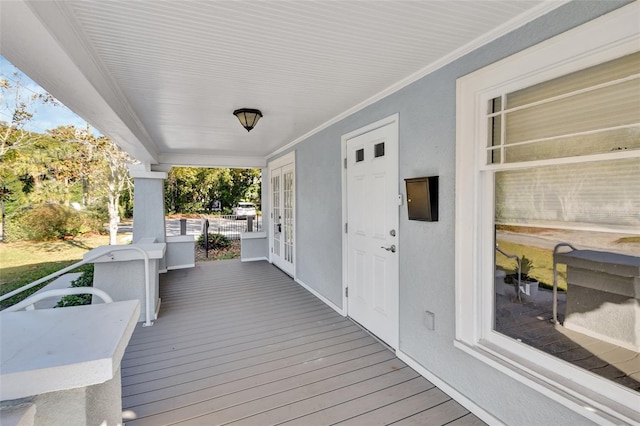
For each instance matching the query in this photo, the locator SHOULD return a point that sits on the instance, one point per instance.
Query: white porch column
(148, 205)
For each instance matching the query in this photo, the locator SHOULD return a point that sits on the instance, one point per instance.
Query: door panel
(287, 210)
(282, 230)
(275, 215)
(372, 241)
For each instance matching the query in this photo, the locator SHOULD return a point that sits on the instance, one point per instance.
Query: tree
(62, 165)
(55, 167)
(19, 107)
(104, 169)
(235, 184)
(195, 190)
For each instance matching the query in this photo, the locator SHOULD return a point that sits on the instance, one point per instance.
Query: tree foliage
(64, 167)
(102, 169)
(18, 110)
(195, 190)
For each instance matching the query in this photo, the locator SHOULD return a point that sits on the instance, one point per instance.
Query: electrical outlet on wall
(429, 320)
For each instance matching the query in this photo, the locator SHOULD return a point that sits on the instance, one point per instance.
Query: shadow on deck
(242, 343)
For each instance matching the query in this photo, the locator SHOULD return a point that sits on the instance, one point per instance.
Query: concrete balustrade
(180, 252)
(122, 274)
(62, 366)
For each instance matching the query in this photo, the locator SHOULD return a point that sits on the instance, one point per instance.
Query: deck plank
(265, 397)
(186, 351)
(290, 403)
(443, 413)
(467, 420)
(355, 400)
(242, 343)
(253, 375)
(264, 353)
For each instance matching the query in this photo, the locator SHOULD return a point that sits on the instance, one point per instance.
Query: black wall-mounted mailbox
(422, 198)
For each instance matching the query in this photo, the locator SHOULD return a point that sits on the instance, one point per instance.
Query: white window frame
(608, 37)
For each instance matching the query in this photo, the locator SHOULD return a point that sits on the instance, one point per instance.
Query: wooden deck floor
(241, 343)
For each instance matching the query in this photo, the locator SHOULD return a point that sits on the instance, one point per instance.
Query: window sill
(584, 401)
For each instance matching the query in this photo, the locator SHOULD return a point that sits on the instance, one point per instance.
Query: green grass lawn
(542, 260)
(23, 262)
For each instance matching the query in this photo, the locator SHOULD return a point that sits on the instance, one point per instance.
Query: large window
(548, 153)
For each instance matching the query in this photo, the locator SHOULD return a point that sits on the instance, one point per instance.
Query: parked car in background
(245, 210)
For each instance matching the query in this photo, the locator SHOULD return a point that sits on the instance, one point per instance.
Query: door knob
(392, 249)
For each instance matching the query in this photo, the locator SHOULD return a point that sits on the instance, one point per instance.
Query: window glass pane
(606, 107)
(609, 71)
(494, 156)
(573, 146)
(604, 194)
(495, 105)
(594, 207)
(359, 155)
(495, 130)
(379, 150)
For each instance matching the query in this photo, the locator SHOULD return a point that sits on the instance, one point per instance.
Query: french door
(282, 201)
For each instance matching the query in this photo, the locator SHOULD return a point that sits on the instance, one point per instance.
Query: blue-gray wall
(427, 147)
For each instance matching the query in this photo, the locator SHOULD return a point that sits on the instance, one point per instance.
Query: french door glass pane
(288, 216)
(275, 191)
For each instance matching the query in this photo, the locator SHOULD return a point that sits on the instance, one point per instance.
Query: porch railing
(519, 269)
(555, 278)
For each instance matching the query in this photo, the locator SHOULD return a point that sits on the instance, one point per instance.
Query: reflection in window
(591, 208)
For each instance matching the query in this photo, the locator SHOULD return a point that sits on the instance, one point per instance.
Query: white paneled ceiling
(163, 77)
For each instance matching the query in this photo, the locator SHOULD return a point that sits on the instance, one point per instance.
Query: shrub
(49, 222)
(84, 280)
(216, 241)
(94, 218)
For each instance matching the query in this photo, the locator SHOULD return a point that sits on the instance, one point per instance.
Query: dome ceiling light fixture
(248, 117)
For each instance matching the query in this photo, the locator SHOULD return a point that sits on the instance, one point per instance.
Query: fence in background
(230, 225)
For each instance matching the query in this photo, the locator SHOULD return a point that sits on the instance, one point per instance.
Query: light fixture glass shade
(248, 117)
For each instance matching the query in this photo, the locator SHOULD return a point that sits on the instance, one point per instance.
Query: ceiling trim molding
(210, 161)
(498, 32)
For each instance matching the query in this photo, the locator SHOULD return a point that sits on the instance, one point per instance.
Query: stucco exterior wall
(426, 249)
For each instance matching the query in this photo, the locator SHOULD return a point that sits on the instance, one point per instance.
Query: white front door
(282, 200)
(372, 231)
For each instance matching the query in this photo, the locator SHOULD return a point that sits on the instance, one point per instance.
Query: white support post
(148, 205)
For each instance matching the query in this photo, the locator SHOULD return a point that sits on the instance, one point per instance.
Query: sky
(45, 116)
